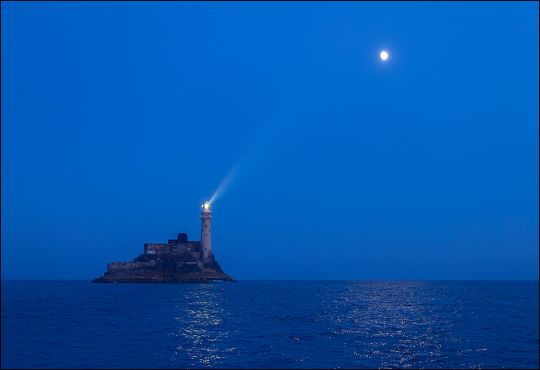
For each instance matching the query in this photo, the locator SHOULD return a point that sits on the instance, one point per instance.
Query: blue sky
(119, 119)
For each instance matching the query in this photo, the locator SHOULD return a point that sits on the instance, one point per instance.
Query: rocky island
(177, 261)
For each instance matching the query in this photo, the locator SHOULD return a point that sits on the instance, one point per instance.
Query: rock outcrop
(178, 261)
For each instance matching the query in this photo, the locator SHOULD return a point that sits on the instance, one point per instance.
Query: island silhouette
(178, 261)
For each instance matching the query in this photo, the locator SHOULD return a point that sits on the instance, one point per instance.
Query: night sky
(119, 119)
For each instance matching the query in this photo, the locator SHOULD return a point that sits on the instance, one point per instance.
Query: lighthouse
(206, 241)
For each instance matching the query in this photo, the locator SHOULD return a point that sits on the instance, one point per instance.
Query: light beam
(224, 184)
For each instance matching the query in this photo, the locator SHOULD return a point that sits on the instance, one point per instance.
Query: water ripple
(271, 325)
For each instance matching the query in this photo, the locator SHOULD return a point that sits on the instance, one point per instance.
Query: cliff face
(178, 261)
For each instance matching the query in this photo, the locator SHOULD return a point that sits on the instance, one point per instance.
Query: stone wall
(160, 248)
(155, 248)
(185, 247)
(123, 266)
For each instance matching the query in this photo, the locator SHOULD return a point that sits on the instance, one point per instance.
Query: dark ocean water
(273, 324)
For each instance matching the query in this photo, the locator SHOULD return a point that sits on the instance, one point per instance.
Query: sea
(270, 324)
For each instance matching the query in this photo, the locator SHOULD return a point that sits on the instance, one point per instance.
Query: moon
(384, 55)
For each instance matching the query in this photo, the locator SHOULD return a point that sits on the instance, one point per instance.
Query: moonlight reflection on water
(200, 328)
(271, 324)
(338, 324)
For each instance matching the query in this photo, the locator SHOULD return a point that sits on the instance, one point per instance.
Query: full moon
(384, 55)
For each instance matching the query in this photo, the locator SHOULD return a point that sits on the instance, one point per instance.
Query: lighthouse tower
(206, 242)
